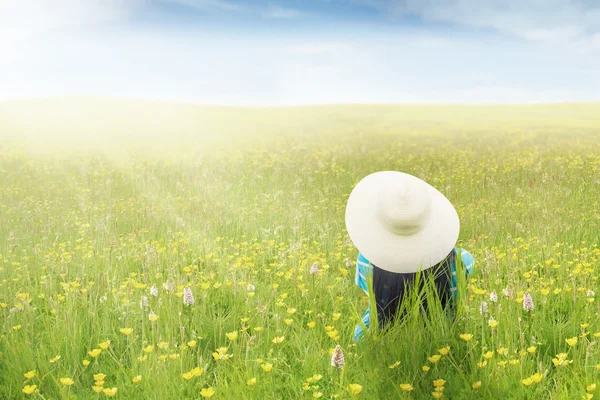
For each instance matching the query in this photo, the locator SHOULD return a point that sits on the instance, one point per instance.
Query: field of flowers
(220, 268)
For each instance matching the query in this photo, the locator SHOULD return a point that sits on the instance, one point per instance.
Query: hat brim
(394, 253)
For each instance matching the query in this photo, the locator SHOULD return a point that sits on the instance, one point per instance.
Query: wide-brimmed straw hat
(401, 223)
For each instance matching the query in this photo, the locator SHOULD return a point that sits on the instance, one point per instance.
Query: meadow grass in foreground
(187, 274)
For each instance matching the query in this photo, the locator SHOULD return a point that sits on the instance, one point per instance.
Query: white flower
(483, 308)
(314, 269)
(507, 291)
(154, 291)
(169, 285)
(250, 288)
(102, 299)
(527, 302)
(337, 358)
(590, 293)
(348, 262)
(493, 297)
(144, 302)
(188, 297)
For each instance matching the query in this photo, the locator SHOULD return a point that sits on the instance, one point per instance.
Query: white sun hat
(401, 223)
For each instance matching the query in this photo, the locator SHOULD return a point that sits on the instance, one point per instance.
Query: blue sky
(292, 52)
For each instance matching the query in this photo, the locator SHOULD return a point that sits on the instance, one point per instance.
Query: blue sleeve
(363, 270)
(467, 260)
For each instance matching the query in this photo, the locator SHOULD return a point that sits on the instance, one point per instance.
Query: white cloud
(548, 20)
(278, 12)
(209, 4)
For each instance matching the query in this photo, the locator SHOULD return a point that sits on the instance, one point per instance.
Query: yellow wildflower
(267, 367)
(136, 379)
(94, 353)
(476, 385)
(407, 387)
(126, 331)
(232, 335)
(207, 392)
(439, 382)
(434, 358)
(28, 389)
(67, 381)
(571, 341)
(251, 381)
(29, 374)
(110, 392)
(355, 388)
(466, 336)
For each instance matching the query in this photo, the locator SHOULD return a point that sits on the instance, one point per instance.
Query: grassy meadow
(163, 251)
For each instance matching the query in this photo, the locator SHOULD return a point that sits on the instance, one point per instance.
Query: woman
(402, 225)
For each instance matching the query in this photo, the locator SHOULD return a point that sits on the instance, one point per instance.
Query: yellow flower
(316, 377)
(153, 317)
(99, 377)
(97, 389)
(29, 374)
(278, 339)
(110, 392)
(425, 368)
(336, 316)
(531, 349)
(288, 321)
(126, 331)
(571, 341)
(94, 353)
(28, 389)
(232, 335)
(407, 387)
(207, 392)
(434, 358)
(188, 375)
(527, 381)
(355, 388)
(136, 379)
(394, 365)
(244, 319)
(482, 364)
(291, 311)
(588, 396)
(104, 345)
(311, 324)
(439, 382)
(466, 336)
(488, 354)
(476, 385)
(258, 329)
(251, 381)
(67, 381)
(85, 363)
(192, 343)
(437, 395)
(149, 348)
(267, 367)
(197, 371)
(591, 388)
(537, 377)
(502, 351)
(163, 345)
(16, 327)
(444, 350)
(492, 323)
(317, 395)
(55, 359)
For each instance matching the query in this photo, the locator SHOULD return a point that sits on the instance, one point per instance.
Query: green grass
(93, 214)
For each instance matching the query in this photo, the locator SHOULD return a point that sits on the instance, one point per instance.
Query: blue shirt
(365, 269)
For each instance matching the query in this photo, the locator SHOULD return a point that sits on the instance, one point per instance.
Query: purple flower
(527, 302)
(188, 297)
(337, 358)
(314, 269)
